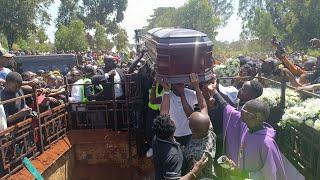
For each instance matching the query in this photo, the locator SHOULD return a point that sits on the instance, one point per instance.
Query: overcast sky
(138, 11)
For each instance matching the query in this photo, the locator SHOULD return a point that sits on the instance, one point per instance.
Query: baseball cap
(4, 53)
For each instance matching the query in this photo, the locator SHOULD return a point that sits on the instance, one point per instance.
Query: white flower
(309, 122)
(316, 125)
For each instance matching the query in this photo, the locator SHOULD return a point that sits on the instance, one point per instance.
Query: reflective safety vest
(155, 106)
(83, 95)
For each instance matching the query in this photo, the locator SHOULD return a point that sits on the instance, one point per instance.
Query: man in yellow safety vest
(155, 98)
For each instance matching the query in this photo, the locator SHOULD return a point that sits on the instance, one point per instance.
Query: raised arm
(201, 101)
(165, 104)
(309, 87)
(135, 62)
(153, 98)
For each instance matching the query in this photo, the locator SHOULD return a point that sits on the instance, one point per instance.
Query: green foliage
(295, 22)
(163, 17)
(18, 18)
(36, 42)
(3, 41)
(201, 15)
(261, 27)
(121, 40)
(68, 10)
(314, 52)
(101, 40)
(71, 37)
(222, 9)
(198, 14)
(105, 12)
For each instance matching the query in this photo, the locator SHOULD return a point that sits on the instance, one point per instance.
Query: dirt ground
(106, 172)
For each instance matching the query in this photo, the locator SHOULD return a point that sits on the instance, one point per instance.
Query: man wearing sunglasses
(250, 142)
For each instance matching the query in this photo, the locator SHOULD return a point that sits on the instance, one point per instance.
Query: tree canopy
(71, 37)
(19, 18)
(296, 22)
(101, 40)
(202, 15)
(121, 40)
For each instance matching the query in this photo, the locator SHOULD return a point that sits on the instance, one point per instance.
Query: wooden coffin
(175, 53)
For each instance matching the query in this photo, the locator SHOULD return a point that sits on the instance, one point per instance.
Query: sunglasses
(247, 112)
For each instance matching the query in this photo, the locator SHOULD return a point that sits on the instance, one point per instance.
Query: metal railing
(33, 136)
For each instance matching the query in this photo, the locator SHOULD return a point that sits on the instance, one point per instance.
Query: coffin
(175, 53)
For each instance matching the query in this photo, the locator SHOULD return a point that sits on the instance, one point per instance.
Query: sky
(138, 11)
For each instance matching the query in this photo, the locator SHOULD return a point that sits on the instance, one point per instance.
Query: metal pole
(36, 105)
(283, 95)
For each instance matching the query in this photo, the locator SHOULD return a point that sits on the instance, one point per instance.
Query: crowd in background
(50, 85)
(187, 126)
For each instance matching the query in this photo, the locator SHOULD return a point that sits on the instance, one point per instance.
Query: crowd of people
(215, 128)
(200, 130)
(50, 86)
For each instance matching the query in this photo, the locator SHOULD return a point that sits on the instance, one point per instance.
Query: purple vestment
(255, 152)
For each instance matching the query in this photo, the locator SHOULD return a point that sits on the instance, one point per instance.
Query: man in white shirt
(111, 69)
(182, 103)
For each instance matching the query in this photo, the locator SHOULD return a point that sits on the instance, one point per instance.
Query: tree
(68, 10)
(223, 9)
(18, 18)
(36, 42)
(71, 37)
(262, 27)
(3, 41)
(105, 12)
(302, 22)
(101, 40)
(198, 15)
(296, 22)
(163, 17)
(202, 15)
(121, 40)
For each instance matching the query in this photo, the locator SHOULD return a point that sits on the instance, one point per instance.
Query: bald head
(199, 123)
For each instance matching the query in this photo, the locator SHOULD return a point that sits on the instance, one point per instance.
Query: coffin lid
(179, 38)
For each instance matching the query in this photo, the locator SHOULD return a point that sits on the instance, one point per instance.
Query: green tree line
(22, 25)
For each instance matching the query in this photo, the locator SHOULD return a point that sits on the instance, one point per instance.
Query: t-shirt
(13, 107)
(177, 113)
(4, 72)
(167, 158)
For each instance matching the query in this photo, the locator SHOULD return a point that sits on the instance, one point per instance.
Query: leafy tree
(68, 10)
(222, 9)
(163, 17)
(105, 12)
(262, 27)
(198, 14)
(296, 22)
(202, 15)
(121, 40)
(3, 42)
(71, 37)
(302, 22)
(18, 18)
(101, 40)
(36, 42)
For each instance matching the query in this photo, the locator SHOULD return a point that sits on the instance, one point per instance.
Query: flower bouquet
(307, 112)
(272, 96)
(228, 69)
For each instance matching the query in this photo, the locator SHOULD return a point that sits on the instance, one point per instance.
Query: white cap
(231, 92)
